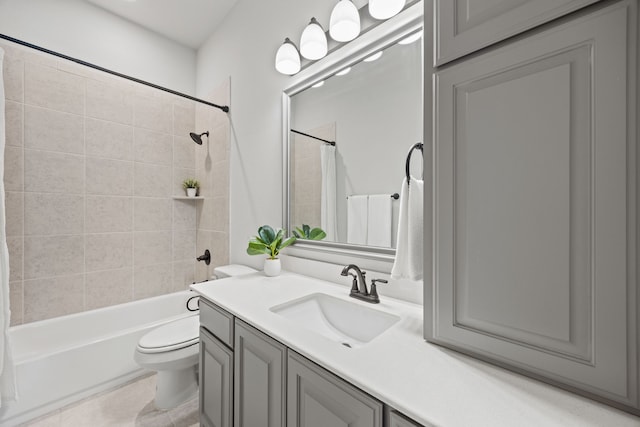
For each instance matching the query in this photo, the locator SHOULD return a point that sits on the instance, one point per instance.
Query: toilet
(172, 350)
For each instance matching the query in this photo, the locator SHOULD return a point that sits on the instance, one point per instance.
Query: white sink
(349, 323)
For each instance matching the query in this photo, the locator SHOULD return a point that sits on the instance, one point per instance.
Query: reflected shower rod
(314, 137)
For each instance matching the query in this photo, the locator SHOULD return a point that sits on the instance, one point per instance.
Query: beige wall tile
(53, 256)
(152, 247)
(13, 71)
(220, 179)
(152, 280)
(14, 122)
(184, 245)
(152, 214)
(184, 214)
(109, 177)
(13, 168)
(184, 118)
(220, 144)
(219, 249)
(53, 297)
(108, 251)
(109, 101)
(106, 288)
(14, 211)
(108, 214)
(184, 150)
(204, 214)
(16, 302)
(220, 220)
(16, 252)
(179, 175)
(52, 130)
(48, 87)
(183, 275)
(152, 180)
(154, 114)
(152, 147)
(53, 172)
(53, 213)
(108, 139)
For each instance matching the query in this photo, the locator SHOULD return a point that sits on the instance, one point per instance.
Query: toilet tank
(231, 270)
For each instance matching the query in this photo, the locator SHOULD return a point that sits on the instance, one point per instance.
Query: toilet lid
(171, 336)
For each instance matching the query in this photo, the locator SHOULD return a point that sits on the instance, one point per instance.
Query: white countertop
(426, 382)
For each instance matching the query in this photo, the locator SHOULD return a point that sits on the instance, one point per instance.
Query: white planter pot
(272, 267)
(191, 192)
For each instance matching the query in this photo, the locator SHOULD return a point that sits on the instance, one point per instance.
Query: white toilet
(172, 350)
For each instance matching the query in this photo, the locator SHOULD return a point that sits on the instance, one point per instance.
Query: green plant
(308, 233)
(190, 183)
(268, 241)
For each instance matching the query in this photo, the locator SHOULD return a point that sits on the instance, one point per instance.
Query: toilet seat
(172, 336)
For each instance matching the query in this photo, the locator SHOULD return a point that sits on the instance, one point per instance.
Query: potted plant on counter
(269, 242)
(191, 185)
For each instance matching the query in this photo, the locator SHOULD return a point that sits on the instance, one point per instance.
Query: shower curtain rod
(224, 108)
(314, 137)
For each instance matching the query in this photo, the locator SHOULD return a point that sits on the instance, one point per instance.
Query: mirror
(347, 136)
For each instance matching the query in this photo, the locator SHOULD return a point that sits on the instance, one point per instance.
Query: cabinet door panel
(316, 398)
(465, 26)
(216, 370)
(535, 205)
(260, 378)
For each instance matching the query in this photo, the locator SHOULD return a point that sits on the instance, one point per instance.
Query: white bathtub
(62, 360)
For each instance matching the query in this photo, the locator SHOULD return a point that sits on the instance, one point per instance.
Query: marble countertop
(428, 383)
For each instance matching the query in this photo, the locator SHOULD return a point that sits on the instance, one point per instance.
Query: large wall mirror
(349, 122)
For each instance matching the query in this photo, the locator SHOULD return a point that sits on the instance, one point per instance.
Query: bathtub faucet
(206, 257)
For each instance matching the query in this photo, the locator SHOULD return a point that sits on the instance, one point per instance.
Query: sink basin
(348, 323)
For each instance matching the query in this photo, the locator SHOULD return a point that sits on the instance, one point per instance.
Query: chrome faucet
(359, 285)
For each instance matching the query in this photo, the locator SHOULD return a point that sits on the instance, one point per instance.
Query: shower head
(197, 138)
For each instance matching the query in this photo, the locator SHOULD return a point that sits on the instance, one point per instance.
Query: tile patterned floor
(129, 405)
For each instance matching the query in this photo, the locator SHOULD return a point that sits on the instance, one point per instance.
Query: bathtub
(65, 359)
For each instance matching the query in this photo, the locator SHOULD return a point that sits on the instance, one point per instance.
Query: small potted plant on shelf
(269, 242)
(191, 185)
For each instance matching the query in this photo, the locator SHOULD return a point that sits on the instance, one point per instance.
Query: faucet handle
(374, 290)
(374, 281)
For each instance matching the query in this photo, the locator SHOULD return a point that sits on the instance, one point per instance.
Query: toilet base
(174, 387)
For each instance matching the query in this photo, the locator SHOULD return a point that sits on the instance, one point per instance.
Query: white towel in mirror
(357, 219)
(379, 220)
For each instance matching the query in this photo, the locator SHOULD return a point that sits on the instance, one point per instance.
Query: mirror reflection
(349, 139)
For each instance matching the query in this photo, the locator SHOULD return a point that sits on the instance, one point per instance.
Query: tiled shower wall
(92, 165)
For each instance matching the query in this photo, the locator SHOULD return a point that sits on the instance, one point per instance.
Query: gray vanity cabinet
(216, 381)
(398, 420)
(535, 205)
(317, 398)
(259, 379)
(465, 26)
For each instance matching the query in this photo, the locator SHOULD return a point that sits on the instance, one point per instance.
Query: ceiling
(188, 22)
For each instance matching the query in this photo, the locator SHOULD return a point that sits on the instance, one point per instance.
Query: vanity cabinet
(535, 205)
(465, 26)
(216, 381)
(259, 379)
(396, 419)
(317, 398)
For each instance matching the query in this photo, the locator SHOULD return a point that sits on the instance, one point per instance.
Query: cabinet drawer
(217, 321)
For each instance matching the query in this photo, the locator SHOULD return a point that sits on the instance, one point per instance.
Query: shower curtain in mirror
(7, 369)
(328, 213)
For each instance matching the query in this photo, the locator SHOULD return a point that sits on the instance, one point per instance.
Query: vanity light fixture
(373, 57)
(412, 38)
(313, 43)
(385, 9)
(319, 84)
(288, 58)
(343, 72)
(344, 24)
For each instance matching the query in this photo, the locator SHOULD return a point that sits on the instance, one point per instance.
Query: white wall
(84, 31)
(244, 48)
